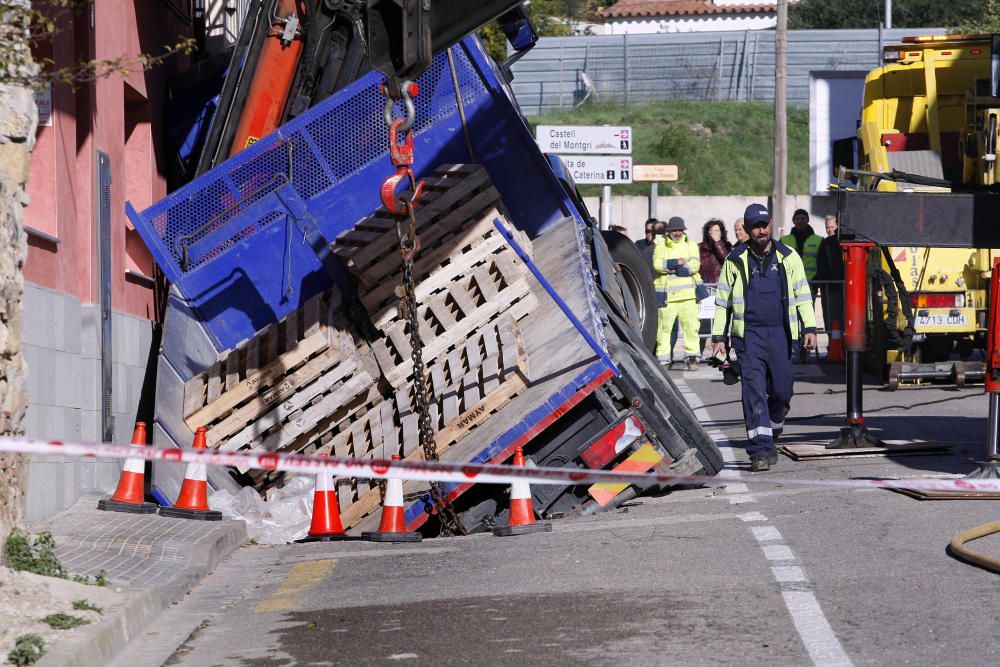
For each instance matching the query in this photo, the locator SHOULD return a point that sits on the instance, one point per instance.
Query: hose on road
(958, 548)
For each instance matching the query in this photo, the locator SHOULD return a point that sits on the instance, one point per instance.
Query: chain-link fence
(562, 72)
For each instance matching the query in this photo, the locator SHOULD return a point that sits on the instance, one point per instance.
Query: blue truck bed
(248, 242)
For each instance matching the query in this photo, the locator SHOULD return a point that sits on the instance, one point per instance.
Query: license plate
(942, 320)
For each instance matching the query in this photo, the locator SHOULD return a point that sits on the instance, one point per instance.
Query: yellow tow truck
(928, 114)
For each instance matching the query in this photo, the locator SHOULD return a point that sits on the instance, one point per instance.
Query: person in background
(830, 275)
(645, 244)
(741, 232)
(804, 241)
(713, 250)
(621, 230)
(676, 262)
(762, 296)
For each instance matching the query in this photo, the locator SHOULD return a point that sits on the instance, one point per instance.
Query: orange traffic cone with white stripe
(326, 525)
(192, 502)
(392, 528)
(130, 496)
(836, 350)
(522, 514)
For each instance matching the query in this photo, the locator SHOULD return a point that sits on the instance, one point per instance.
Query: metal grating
(314, 152)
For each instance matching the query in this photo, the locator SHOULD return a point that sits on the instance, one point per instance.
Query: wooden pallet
(302, 390)
(810, 452)
(456, 231)
(455, 313)
(466, 389)
(260, 364)
(453, 196)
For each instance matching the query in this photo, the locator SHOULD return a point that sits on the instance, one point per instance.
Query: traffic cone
(326, 525)
(522, 514)
(836, 350)
(393, 526)
(130, 494)
(192, 502)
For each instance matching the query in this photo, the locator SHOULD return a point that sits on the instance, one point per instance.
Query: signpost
(579, 147)
(599, 169)
(584, 139)
(654, 174)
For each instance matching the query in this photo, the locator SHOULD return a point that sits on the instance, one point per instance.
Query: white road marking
(823, 646)
(807, 615)
(788, 574)
(766, 534)
(778, 552)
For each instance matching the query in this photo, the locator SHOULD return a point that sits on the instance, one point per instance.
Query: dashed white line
(766, 534)
(788, 574)
(779, 552)
(812, 625)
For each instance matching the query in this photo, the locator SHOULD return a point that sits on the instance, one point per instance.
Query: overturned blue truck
(317, 306)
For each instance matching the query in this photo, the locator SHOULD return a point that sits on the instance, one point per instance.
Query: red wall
(119, 115)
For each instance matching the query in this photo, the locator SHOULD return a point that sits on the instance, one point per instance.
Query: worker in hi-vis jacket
(762, 294)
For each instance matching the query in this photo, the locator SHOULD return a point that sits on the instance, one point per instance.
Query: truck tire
(637, 278)
(663, 408)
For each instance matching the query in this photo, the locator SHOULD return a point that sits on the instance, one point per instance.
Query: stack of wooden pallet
(312, 384)
(470, 289)
(295, 383)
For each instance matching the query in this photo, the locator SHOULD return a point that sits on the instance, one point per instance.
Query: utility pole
(780, 117)
(888, 15)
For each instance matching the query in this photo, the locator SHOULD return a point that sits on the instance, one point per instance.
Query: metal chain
(451, 525)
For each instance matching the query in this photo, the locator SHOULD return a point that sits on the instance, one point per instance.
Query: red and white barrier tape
(442, 471)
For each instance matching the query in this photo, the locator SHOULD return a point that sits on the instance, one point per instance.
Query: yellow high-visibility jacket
(810, 251)
(679, 286)
(730, 301)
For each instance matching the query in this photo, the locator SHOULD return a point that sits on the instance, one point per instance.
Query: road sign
(599, 169)
(585, 139)
(654, 173)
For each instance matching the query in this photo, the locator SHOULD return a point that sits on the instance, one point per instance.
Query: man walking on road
(762, 295)
(676, 262)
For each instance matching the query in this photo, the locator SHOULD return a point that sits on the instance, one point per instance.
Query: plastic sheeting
(283, 518)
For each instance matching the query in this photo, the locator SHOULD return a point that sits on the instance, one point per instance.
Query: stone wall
(18, 119)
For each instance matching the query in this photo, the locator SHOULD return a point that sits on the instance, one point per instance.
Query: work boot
(760, 463)
(692, 364)
(672, 366)
(772, 459)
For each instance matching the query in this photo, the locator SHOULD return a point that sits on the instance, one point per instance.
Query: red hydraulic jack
(991, 467)
(855, 434)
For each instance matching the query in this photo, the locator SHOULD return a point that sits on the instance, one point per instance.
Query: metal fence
(561, 72)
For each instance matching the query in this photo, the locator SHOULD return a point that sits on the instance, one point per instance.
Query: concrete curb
(99, 646)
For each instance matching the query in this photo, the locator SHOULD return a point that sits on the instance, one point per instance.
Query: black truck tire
(637, 278)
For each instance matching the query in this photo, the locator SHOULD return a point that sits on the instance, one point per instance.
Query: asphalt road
(746, 574)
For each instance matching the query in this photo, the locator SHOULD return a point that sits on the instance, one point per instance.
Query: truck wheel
(637, 277)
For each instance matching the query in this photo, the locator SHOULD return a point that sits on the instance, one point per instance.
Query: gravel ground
(25, 599)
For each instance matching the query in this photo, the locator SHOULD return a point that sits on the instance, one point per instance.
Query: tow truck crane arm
(292, 54)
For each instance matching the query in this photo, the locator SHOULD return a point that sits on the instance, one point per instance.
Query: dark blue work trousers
(766, 376)
(765, 356)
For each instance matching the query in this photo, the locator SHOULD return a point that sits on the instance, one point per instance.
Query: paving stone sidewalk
(155, 560)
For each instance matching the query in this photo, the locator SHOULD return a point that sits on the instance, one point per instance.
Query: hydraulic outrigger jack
(991, 467)
(855, 434)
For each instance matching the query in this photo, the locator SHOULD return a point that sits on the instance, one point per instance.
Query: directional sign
(586, 139)
(599, 169)
(654, 173)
